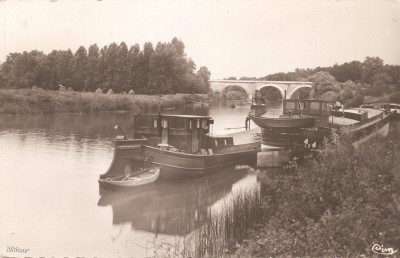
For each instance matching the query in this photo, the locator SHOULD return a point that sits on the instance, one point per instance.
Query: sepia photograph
(216, 128)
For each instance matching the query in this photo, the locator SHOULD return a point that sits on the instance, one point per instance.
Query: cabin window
(314, 105)
(154, 122)
(204, 123)
(143, 122)
(179, 124)
(291, 105)
(221, 142)
(324, 106)
(164, 123)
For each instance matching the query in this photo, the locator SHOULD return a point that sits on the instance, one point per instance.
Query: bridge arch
(282, 92)
(297, 87)
(235, 87)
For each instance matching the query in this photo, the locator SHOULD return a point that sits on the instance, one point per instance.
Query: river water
(49, 195)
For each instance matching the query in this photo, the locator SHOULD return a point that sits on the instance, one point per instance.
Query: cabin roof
(393, 104)
(178, 116)
(297, 100)
(316, 100)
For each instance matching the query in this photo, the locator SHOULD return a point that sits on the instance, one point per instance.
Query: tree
(371, 67)
(21, 70)
(347, 71)
(244, 78)
(64, 68)
(347, 90)
(110, 68)
(121, 80)
(231, 78)
(381, 83)
(92, 67)
(80, 68)
(48, 71)
(164, 69)
(145, 57)
(204, 74)
(324, 82)
(170, 70)
(135, 75)
(394, 72)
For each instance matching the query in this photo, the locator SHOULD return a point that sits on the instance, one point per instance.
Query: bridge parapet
(251, 86)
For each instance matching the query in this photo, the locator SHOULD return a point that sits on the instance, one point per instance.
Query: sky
(231, 38)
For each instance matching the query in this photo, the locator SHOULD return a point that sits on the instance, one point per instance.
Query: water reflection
(166, 207)
(76, 126)
(49, 167)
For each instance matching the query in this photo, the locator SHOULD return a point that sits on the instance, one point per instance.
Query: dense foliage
(352, 83)
(38, 101)
(339, 205)
(163, 69)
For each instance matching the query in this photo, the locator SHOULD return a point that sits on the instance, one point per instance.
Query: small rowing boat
(131, 180)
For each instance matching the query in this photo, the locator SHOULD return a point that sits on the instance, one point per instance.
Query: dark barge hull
(283, 122)
(177, 165)
(283, 138)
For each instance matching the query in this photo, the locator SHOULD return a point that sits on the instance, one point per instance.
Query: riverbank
(27, 101)
(340, 205)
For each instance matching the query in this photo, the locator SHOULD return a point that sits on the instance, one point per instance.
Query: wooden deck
(341, 121)
(244, 137)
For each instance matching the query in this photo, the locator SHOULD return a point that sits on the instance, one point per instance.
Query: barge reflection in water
(174, 207)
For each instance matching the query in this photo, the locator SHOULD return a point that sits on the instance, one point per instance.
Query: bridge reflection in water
(175, 207)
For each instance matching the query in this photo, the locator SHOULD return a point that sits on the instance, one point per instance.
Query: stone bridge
(251, 86)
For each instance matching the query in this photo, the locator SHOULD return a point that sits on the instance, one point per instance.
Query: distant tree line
(350, 82)
(161, 69)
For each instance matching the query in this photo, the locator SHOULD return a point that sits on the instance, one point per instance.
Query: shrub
(99, 91)
(62, 88)
(26, 101)
(395, 97)
(337, 205)
(234, 95)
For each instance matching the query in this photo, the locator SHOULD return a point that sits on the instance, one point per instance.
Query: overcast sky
(231, 38)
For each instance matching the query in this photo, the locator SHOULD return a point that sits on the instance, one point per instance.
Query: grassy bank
(339, 205)
(213, 231)
(227, 226)
(27, 101)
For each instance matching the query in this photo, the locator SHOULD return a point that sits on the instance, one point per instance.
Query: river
(49, 195)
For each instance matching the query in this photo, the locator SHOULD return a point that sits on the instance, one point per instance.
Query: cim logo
(379, 249)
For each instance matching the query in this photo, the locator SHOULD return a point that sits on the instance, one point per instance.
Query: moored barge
(182, 145)
(286, 132)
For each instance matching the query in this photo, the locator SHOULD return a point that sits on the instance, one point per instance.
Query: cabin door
(164, 134)
(195, 140)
